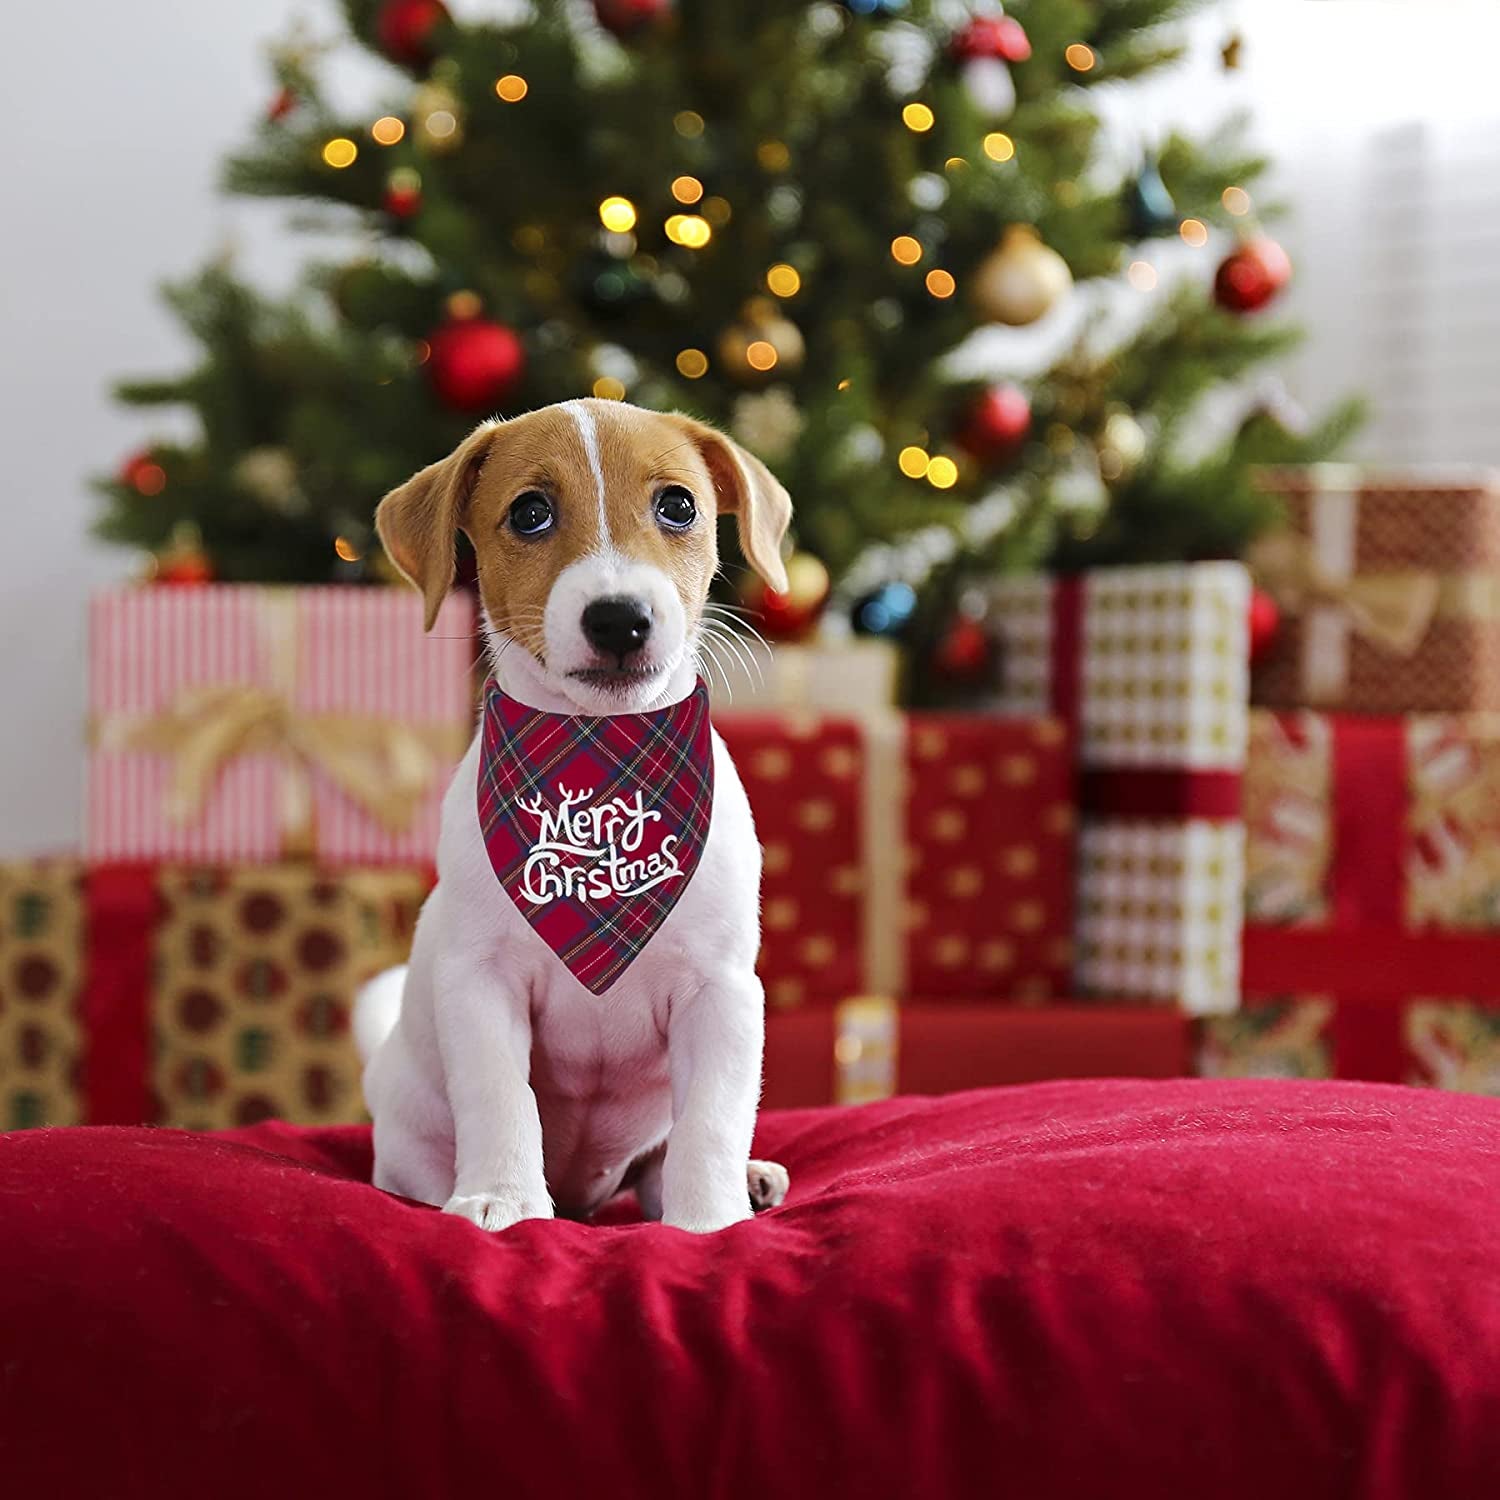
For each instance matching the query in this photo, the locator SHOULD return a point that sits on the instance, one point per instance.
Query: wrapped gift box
(235, 723)
(910, 855)
(856, 676)
(867, 1048)
(199, 997)
(1388, 586)
(1446, 1044)
(1373, 866)
(1150, 666)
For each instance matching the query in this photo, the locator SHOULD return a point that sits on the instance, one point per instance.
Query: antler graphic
(570, 798)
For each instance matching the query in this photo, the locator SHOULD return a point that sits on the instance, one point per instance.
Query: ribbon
(386, 767)
(1147, 793)
(1365, 957)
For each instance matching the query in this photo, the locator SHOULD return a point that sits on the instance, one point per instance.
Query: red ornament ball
(403, 195)
(404, 30)
(991, 36)
(143, 474)
(626, 17)
(785, 617)
(474, 364)
(1252, 276)
(996, 425)
(1265, 625)
(184, 567)
(964, 652)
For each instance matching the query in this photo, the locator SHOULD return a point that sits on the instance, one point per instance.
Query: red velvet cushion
(1088, 1289)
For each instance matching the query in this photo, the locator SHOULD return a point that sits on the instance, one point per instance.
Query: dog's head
(593, 527)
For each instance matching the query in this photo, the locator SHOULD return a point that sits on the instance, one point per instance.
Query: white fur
(588, 434)
(505, 1086)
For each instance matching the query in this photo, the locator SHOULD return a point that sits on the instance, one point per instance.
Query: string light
(688, 123)
(759, 355)
(607, 388)
(687, 189)
(340, 152)
(955, 164)
(387, 130)
(906, 250)
(692, 363)
(913, 461)
(1236, 200)
(1141, 275)
(716, 211)
(773, 156)
(918, 117)
(941, 284)
(1194, 232)
(512, 88)
(690, 230)
(1079, 57)
(942, 473)
(440, 124)
(998, 146)
(346, 549)
(617, 215)
(783, 280)
(844, 384)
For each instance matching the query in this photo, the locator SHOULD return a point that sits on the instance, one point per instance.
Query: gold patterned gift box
(198, 997)
(1150, 666)
(1389, 586)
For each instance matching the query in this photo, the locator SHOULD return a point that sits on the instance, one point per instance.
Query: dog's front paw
(768, 1182)
(499, 1210)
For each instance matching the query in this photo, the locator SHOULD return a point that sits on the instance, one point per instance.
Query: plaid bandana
(594, 826)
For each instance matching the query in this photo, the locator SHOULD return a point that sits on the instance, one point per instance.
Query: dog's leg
(485, 1038)
(768, 1182)
(714, 1041)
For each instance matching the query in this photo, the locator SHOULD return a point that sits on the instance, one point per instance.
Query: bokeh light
(1194, 232)
(690, 230)
(1141, 274)
(783, 280)
(617, 215)
(998, 146)
(913, 461)
(941, 283)
(387, 130)
(687, 189)
(512, 88)
(918, 117)
(906, 250)
(692, 363)
(607, 388)
(1079, 57)
(942, 473)
(1236, 201)
(340, 152)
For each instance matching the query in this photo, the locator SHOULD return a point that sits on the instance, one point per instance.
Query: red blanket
(1093, 1289)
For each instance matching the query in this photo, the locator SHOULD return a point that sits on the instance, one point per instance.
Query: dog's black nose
(617, 626)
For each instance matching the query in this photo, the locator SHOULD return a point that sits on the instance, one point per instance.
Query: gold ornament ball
(1122, 446)
(764, 345)
(788, 616)
(1021, 280)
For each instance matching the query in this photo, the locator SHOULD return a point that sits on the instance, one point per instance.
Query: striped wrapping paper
(331, 650)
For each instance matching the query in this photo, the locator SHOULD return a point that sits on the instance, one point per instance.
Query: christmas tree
(781, 217)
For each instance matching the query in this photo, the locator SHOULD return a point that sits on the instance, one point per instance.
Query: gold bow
(1390, 610)
(385, 766)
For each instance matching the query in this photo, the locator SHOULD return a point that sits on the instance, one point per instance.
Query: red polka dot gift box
(920, 857)
(239, 723)
(200, 997)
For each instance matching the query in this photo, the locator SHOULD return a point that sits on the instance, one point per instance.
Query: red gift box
(871, 1049)
(928, 855)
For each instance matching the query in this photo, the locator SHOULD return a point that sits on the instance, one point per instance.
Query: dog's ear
(747, 490)
(418, 521)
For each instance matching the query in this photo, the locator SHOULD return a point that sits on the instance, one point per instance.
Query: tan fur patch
(640, 452)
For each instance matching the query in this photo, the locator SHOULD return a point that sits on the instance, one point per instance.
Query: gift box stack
(265, 774)
(1372, 941)
(948, 899)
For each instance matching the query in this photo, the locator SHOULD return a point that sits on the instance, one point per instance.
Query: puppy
(503, 1087)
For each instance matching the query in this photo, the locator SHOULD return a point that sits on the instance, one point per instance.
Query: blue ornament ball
(885, 611)
(875, 7)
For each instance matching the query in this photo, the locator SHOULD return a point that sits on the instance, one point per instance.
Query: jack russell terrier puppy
(581, 1012)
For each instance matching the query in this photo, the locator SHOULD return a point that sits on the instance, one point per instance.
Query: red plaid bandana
(594, 826)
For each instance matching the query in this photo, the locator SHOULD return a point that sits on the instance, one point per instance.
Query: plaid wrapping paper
(248, 976)
(41, 973)
(1444, 1044)
(922, 855)
(1388, 585)
(595, 826)
(1150, 665)
(324, 679)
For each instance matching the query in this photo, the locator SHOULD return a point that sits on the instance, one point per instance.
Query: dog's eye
(676, 508)
(531, 514)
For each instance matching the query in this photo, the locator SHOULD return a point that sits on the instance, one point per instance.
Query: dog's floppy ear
(418, 521)
(747, 490)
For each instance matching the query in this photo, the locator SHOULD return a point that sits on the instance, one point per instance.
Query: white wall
(111, 151)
